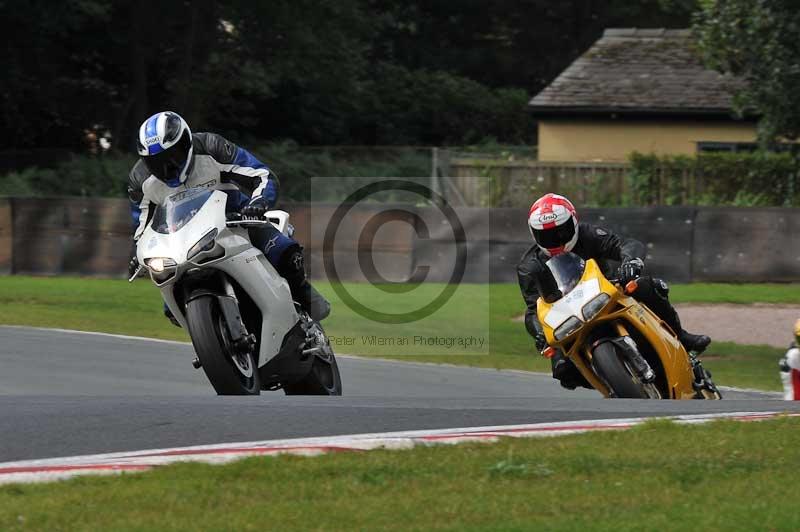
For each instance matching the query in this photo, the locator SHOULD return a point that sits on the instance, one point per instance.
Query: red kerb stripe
(250, 450)
(60, 469)
(497, 433)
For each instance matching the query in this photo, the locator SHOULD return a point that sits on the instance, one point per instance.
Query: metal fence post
(436, 189)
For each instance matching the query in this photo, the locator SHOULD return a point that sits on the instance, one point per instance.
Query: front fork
(703, 386)
(631, 353)
(243, 341)
(627, 347)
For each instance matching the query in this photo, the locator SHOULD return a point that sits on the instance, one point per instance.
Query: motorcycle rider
(172, 159)
(790, 368)
(554, 225)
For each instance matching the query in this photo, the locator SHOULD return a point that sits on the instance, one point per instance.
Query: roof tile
(640, 69)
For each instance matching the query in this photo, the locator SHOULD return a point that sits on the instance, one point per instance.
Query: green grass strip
(659, 476)
(742, 294)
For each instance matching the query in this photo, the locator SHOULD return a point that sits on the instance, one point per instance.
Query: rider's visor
(167, 165)
(554, 237)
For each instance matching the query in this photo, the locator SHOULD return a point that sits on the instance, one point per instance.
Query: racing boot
(696, 343)
(655, 294)
(312, 301)
(292, 268)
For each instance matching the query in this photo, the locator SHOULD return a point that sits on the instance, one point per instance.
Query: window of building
(740, 147)
(732, 147)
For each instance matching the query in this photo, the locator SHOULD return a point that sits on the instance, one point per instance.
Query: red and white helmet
(553, 224)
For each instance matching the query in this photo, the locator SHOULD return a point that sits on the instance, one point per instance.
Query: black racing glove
(630, 270)
(256, 208)
(541, 342)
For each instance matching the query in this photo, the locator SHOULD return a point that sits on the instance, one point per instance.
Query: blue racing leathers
(219, 164)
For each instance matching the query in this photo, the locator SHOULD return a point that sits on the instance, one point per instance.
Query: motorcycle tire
(229, 372)
(322, 379)
(608, 365)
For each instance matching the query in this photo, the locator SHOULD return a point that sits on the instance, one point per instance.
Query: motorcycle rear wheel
(229, 372)
(323, 378)
(608, 365)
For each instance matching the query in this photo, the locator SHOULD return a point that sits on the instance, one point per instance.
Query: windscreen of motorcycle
(179, 209)
(567, 270)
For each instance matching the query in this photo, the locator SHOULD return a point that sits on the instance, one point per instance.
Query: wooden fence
(515, 183)
(509, 182)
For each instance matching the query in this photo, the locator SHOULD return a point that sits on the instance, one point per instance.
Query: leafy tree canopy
(316, 71)
(760, 43)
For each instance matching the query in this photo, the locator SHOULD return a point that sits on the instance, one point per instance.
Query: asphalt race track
(66, 393)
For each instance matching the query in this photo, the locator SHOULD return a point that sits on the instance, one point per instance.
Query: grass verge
(658, 476)
(475, 310)
(741, 294)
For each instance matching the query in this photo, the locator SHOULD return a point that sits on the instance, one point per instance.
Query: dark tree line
(317, 71)
(760, 43)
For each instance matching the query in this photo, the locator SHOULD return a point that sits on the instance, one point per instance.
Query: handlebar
(234, 219)
(136, 274)
(629, 288)
(247, 222)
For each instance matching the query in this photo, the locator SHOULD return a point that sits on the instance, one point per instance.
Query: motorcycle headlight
(159, 264)
(204, 244)
(568, 327)
(594, 306)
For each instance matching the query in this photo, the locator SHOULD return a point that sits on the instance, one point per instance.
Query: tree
(315, 71)
(51, 81)
(508, 43)
(758, 42)
(289, 69)
(69, 65)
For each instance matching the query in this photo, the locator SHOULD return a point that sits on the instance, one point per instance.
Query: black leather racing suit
(603, 246)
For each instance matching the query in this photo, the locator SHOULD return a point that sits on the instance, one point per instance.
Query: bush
(439, 108)
(81, 176)
(739, 179)
(294, 166)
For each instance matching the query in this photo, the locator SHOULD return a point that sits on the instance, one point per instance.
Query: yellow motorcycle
(619, 345)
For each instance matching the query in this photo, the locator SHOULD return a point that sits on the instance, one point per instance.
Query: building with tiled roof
(640, 90)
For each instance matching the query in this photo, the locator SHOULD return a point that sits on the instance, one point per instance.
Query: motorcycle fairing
(624, 311)
(241, 262)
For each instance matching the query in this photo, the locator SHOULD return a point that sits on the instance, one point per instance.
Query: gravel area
(755, 324)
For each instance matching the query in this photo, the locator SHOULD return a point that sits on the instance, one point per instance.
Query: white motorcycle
(248, 333)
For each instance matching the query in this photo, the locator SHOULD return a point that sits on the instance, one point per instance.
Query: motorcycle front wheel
(229, 371)
(608, 365)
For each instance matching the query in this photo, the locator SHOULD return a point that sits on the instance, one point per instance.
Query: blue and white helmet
(165, 145)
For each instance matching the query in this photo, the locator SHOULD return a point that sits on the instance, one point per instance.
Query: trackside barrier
(91, 236)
